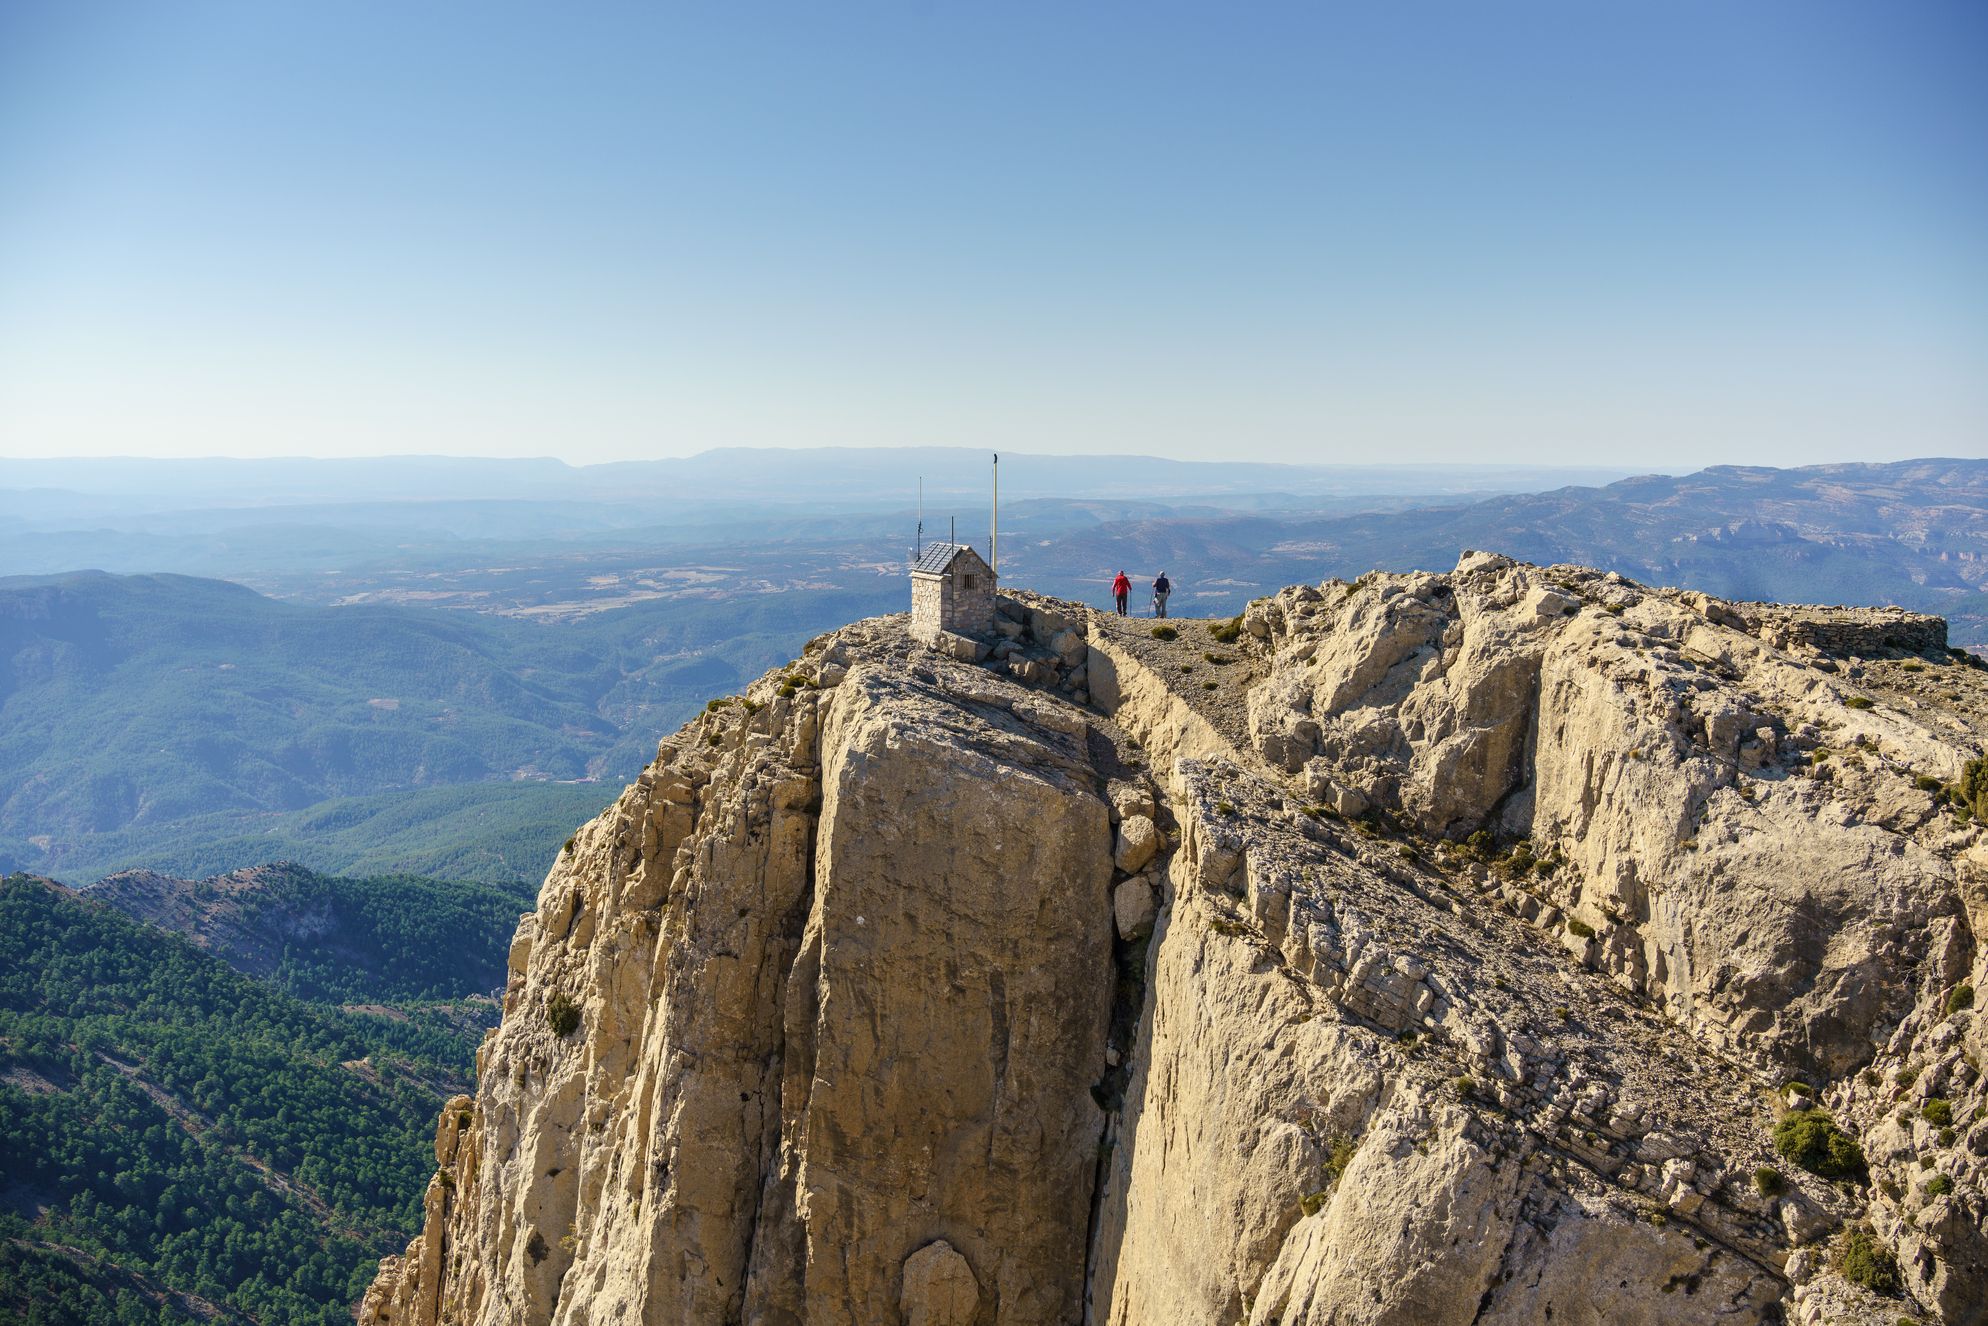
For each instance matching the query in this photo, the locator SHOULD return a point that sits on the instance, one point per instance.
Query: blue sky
(1650, 234)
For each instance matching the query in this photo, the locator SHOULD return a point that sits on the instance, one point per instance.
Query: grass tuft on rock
(1339, 1155)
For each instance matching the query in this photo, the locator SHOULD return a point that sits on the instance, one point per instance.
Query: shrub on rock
(1863, 1260)
(1812, 1140)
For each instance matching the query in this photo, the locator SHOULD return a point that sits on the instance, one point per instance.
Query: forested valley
(183, 1142)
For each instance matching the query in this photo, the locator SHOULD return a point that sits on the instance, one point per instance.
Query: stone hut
(952, 590)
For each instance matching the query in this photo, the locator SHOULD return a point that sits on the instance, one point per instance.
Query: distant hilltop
(1500, 945)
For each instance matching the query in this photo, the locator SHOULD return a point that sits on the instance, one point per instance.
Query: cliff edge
(1510, 945)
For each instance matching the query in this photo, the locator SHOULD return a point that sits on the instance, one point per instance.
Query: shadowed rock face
(905, 989)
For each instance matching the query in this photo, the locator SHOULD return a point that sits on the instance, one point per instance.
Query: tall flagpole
(994, 525)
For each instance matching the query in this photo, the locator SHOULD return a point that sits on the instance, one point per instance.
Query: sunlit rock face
(1436, 948)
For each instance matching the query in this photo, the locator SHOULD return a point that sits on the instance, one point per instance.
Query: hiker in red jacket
(1121, 588)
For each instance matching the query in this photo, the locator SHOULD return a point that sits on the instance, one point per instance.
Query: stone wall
(946, 603)
(928, 606)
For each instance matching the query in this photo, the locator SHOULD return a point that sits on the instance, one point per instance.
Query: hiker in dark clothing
(1161, 588)
(1121, 589)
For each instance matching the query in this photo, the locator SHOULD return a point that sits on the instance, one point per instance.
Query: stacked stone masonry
(955, 596)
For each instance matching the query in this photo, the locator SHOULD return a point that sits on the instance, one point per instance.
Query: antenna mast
(921, 516)
(994, 525)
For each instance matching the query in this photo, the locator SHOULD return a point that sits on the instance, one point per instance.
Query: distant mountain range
(281, 525)
(841, 476)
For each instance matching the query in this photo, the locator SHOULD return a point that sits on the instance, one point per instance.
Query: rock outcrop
(246, 917)
(1502, 946)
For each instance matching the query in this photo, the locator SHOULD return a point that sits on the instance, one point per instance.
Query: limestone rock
(1543, 604)
(1128, 799)
(963, 647)
(1431, 1266)
(1485, 700)
(939, 1288)
(1069, 647)
(1138, 839)
(1501, 1039)
(820, 1018)
(1133, 908)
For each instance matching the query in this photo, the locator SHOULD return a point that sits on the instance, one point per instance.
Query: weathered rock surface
(823, 1012)
(1064, 985)
(1668, 758)
(939, 1288)
(1134, 907)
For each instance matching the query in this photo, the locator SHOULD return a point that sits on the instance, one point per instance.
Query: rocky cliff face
(246, 917)
(1504, 946)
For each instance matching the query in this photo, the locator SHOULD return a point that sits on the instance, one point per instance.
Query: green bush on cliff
(1863, 1260)
(562, 1014)
(1973, 787)
(1812, 1140)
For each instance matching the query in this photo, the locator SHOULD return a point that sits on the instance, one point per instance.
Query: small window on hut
(966, 581)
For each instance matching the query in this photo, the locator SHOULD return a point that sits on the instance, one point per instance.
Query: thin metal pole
(994, 525)
(921, 516)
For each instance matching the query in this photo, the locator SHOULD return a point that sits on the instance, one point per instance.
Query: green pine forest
(181, 1142)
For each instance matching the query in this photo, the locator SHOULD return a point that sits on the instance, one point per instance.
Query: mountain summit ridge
(1431, 948)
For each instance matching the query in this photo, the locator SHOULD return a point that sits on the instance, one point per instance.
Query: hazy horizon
(1477, 463)
(1653, 237)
